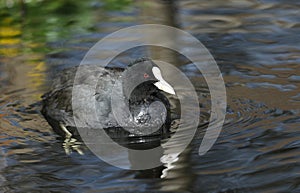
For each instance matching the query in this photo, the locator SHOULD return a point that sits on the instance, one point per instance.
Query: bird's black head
(145, 75)
(149, 109)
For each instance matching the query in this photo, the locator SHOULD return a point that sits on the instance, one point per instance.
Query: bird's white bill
(162, 84)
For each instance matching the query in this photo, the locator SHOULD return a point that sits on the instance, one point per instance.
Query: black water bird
(141, 84)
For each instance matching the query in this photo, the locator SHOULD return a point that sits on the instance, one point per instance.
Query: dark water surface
(256, 45)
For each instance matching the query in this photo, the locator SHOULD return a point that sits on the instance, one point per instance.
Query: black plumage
(148, 106)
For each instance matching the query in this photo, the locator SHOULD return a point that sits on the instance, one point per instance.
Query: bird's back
(57, 104)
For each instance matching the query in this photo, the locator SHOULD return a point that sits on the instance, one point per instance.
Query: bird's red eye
(146, 75)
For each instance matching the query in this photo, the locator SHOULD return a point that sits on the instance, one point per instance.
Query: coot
(141, 84)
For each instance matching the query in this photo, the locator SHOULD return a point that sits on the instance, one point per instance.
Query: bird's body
(148, 107)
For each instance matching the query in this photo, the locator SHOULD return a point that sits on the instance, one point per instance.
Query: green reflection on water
(45, 21)
(26, 28)
(34, 22)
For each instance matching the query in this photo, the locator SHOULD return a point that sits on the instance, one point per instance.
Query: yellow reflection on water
(9, 31)
(9, 52)
(37, 77)
(9, 41)
(25, 68)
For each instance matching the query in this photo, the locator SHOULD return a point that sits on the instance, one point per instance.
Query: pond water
(256, 46)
